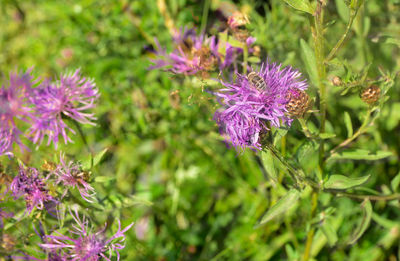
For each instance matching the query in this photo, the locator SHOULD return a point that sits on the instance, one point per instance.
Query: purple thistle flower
(14, 104)
(84, 245)
(69, 97)
(33, 188)
(192, 54)
(248, 109)
(71, 175)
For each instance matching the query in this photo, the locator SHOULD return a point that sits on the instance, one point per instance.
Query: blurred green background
(190, 196)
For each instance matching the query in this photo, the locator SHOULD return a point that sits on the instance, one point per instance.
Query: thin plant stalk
(205, 16)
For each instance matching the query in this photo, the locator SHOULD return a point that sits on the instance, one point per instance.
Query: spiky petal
(247, 110)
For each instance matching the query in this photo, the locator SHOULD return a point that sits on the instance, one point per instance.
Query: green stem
(310, 234)
(335, 49)
(360, 131)
(245, 58)
(205, 16)
(306, 131)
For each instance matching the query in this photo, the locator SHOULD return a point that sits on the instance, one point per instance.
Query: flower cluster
(32, 187)
(196, 54)
(248, 109)
(43, 106)
(83, 244)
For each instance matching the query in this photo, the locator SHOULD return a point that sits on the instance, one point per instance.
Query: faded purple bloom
(14, 104)
(247, 109)
(86, 245)
(71, 175)
(193, 54)
(71, 96)
(32, 187)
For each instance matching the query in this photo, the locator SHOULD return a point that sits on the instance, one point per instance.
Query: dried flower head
(83, 244)
(251, 105)
(71, 175)
(298, 103)
(32, 187)
(194, 54)
(69, 97)
(371, 94)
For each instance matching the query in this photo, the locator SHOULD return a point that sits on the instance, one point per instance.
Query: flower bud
(371, 94)
(336, 81)
(298, 103)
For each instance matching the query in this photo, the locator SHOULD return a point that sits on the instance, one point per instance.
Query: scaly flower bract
(248, 110)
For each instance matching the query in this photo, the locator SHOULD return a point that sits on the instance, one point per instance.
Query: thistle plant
(260, 105)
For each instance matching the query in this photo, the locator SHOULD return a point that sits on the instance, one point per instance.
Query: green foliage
(156, 157)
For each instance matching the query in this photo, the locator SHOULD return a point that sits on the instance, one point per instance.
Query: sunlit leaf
(284, 204)
(343, 182)
(360, 154)
(301, 5)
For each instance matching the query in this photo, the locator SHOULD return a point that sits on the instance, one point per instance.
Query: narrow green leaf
(326, 136)
(285, 203)
(349, 126)
(343, 10)
(343, 182)
(301, 5)
(366, 220)
(329, 232)
(269, 165)
(393, 41)
(360, 154)
(394, 184)
(308, 57)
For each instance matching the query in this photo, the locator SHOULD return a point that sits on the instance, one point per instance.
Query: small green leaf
(343, 182)
(285, 203)
(308, 57)
(366, 220)
(301, 5)
(360, 154)
(103, 179)
(99, 156)
(393, 41)
(349, 126)
(394, 184)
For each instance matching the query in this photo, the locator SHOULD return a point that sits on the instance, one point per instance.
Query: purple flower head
(255, 101)
(32, 187)
(193, 54)
(69, 97)
(83, 244)
(71, 175)
(14, 104)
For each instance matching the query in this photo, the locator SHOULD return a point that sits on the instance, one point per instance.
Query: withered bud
(336, 81)
(48, 166)
(298, 103)
(8, 242)
(237, 19)
(256, 50)
(371, 94)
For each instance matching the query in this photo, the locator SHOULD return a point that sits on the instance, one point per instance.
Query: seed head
(298, 103)
(371, 94)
